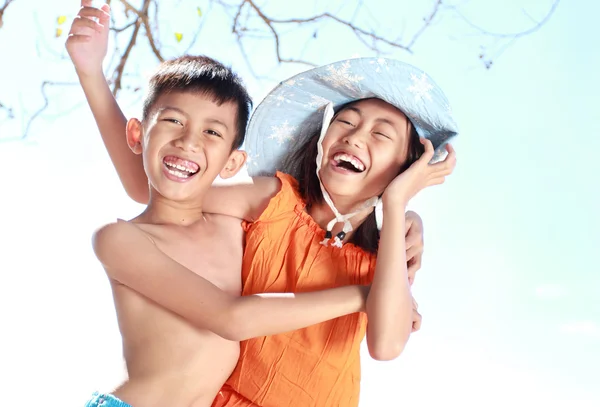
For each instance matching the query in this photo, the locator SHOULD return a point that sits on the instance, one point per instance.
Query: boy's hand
(87, 43)
(419, 176)
(417, 318)
(414, 244)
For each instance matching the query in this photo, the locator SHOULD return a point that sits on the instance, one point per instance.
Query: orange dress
(315, 366)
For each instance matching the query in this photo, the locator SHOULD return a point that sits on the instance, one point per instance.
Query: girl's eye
(213, 133)
(174, 121)
(345, 122)
(383, 135)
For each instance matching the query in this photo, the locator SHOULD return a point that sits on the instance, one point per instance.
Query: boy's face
(186, 143)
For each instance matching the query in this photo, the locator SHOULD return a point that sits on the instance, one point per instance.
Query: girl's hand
(364, 291)
(414, 244)
(419, 176)
(416, 317)
(88, 39)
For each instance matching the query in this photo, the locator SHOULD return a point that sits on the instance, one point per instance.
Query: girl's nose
(355, 138)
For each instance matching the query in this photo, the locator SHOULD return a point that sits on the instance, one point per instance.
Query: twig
(9, 111)
(118, 74)
(269, 23)
(427, 23)
(124, 28)
(2, 9)
(45, 105)
(516, 35)
(151, 41)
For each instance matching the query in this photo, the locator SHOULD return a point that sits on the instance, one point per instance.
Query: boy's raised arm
(132, 259)
(87, 46)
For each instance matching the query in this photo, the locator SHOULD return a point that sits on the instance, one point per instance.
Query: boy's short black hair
(201, 74)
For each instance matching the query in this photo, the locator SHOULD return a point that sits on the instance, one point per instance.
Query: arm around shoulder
(130, 257)
(245, 200)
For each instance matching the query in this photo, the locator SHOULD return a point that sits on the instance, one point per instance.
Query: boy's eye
(213, 133)
(174, 121)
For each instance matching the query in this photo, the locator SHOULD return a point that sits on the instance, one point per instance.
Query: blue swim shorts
(105, 400)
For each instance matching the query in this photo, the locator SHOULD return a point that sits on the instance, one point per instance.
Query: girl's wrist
(394, 202)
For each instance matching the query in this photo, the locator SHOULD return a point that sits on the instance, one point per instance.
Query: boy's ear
(134, 135)
(236, 161)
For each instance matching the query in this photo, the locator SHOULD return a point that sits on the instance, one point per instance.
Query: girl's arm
(132, 259)
(389, 305)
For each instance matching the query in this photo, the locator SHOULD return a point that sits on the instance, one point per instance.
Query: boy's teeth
(179, 173)
(178, 167)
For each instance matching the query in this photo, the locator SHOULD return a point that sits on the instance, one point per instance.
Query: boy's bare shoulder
(112, 239)
(118, 229)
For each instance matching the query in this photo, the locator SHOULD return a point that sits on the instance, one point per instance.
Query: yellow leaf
(178, 36)
(199, 11)
(58, 32)
(61, 19)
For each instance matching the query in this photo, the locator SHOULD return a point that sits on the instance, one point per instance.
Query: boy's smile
(179, 169)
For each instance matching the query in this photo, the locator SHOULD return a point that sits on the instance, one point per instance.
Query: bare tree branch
(118, 74)
(124, 28)
(9, 111)
(427, 22)
(511, 36)
(38, 112)
(2, 9)
(251, 23)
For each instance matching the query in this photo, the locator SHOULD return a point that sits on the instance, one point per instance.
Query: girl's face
(364, 150)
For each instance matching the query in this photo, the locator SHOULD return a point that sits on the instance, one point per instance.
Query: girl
(354, 130)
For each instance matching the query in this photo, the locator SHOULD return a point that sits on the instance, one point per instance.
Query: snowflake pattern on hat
(292, 112)
(282, 133)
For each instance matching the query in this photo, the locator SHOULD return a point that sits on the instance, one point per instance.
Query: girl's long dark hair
(302, 165)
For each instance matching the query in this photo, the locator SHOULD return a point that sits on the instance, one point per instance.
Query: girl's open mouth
(348, 162)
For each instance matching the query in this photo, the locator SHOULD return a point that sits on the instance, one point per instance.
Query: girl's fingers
(436, 181)
(429, 151)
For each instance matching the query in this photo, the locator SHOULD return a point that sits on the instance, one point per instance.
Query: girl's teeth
(345, 157)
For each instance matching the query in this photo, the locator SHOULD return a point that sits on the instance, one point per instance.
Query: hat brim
(293, 112)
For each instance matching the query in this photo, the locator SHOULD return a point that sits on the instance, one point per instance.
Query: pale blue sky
(511, 279)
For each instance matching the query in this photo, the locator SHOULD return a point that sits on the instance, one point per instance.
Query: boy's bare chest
(213, 251)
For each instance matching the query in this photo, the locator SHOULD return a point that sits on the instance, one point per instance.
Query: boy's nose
(189, 142)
